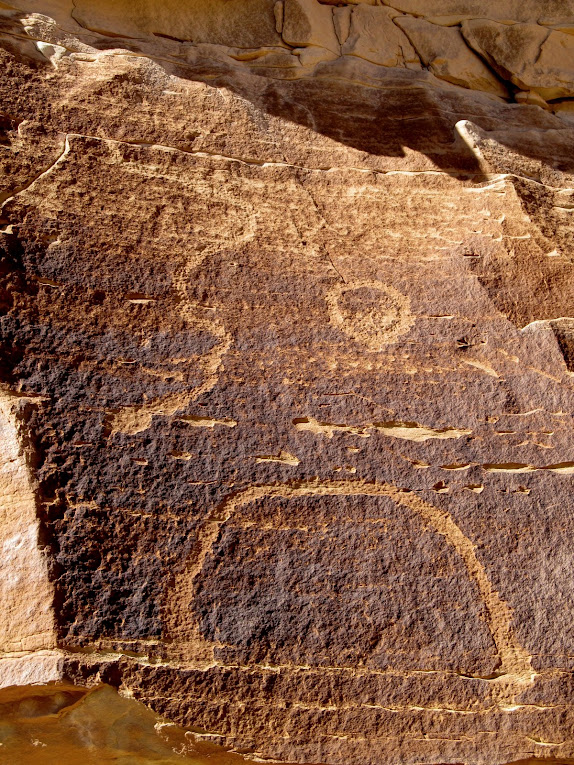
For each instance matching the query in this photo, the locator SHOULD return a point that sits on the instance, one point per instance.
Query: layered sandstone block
(286, 344)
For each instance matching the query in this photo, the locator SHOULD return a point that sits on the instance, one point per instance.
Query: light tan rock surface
(26, 596)
(67, 725)
(286, 346)
(306, 22)
(236, 23)
(530, 56)
(548, 12)
(445, 52)
(374, 37)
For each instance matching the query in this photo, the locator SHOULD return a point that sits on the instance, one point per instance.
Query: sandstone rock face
(236, 23)
(25, 591)
(375, 37)
(287, 344)
(507, 11)
(63, 724)
(528, 55)
(444, 51)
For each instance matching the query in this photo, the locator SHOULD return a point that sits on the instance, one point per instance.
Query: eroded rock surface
(286, 353)
(68, 725)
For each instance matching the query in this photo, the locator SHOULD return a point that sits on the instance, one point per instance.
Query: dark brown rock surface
(286, 353)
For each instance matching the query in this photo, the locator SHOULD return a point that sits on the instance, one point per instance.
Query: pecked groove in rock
(515, 665)
(10, 194)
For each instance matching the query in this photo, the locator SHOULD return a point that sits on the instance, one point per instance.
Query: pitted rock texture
(286, 353)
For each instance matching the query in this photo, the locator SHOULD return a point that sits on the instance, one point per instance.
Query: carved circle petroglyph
(370, 312)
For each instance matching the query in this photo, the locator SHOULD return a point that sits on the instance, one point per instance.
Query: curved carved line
(515, 662)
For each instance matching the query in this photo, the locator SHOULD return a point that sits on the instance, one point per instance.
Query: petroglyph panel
(286, 303)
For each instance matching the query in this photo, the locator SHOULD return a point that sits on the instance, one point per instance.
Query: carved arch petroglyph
(515, 670)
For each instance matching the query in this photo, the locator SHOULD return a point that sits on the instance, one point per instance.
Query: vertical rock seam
(27, 623)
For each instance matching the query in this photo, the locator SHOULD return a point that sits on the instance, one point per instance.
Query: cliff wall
(286, 354)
